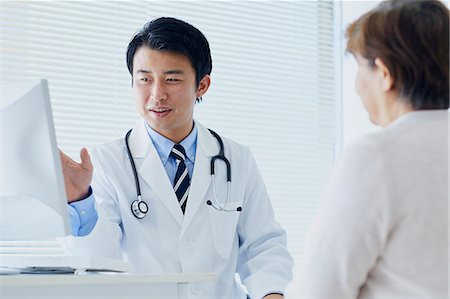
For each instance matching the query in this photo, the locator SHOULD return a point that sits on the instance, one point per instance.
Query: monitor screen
(33, 201)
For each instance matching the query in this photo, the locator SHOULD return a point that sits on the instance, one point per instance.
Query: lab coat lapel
(152, 171)
(201, 177)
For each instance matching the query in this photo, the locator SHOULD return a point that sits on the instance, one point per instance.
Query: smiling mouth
(160, 111)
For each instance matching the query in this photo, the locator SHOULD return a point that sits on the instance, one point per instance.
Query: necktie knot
(178, 152)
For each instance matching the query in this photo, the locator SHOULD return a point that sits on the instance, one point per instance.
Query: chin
(374, 121)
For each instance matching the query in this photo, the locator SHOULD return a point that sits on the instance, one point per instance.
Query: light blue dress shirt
(83, 215)
(164, 146)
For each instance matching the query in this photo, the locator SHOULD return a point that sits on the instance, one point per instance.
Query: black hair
(173, 35)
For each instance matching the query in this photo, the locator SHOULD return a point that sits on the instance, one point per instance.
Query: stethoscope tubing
(139, 208)
(133, 166)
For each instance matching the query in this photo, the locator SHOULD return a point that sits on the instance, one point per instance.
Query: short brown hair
(411, 37)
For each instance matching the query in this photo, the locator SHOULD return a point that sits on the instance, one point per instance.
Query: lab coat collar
(206, 142)
(152, 171)
(140, 143)
(207, 146)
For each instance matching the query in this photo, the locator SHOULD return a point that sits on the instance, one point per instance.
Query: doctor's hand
(77, 176)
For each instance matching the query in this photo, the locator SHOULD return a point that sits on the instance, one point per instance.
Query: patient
(382, 230)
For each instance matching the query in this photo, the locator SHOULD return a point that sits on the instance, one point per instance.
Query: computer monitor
(33, 201)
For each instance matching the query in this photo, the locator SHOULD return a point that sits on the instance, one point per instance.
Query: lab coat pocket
(223, 226)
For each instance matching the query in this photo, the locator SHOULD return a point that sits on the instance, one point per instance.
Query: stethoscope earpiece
(221, 208)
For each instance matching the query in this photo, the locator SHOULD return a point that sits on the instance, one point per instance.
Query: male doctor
(186, 220)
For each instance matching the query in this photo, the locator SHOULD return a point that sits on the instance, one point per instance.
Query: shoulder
(113, 145)
(231, 147)
(236, 146)
(360, 185)
(412, 137)
(369, 149)
(109, 150)
(362, 169)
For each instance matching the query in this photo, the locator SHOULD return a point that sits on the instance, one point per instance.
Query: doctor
(184, 219)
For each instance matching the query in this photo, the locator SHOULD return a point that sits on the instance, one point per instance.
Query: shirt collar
(164, 145)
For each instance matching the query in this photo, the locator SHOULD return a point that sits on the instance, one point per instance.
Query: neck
(393, 110)
(178, 135)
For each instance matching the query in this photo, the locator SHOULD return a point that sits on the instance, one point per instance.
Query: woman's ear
(387, 82)
(203, 86)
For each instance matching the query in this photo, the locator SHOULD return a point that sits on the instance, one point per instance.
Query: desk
(129, 286)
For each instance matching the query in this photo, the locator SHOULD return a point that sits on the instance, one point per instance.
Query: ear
(203, 86)
(387, 82)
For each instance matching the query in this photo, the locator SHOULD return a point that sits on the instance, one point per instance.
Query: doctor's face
(165, 89)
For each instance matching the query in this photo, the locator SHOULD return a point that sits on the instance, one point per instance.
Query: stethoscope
(139, 208)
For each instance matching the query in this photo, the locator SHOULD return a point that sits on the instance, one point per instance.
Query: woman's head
(407, 40)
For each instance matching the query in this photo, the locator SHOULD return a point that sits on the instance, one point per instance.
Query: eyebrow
(169, 72)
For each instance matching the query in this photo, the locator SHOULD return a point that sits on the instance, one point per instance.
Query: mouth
(160, 112)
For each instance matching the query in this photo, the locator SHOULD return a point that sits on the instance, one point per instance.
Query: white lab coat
(250, 242)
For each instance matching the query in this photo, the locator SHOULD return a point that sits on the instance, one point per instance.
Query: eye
(144, 79)
(172, 80)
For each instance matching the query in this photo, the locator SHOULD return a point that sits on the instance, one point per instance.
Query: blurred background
(281, 81)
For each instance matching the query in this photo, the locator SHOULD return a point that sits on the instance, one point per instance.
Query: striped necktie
(182, 180)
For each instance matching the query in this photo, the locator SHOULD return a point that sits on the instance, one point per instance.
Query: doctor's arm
(265, 265)
(95, 220)
(83, 215)
(77, 180)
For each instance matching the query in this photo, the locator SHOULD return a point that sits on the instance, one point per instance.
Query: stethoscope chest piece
(139, 208)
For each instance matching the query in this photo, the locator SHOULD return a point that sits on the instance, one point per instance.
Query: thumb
(85, 159)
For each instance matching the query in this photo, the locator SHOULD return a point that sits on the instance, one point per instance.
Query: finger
(85, 159)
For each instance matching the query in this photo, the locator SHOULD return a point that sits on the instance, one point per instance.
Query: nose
(158, 92)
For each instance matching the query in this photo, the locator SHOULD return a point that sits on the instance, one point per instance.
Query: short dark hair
(411, 37)
(173, 35)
